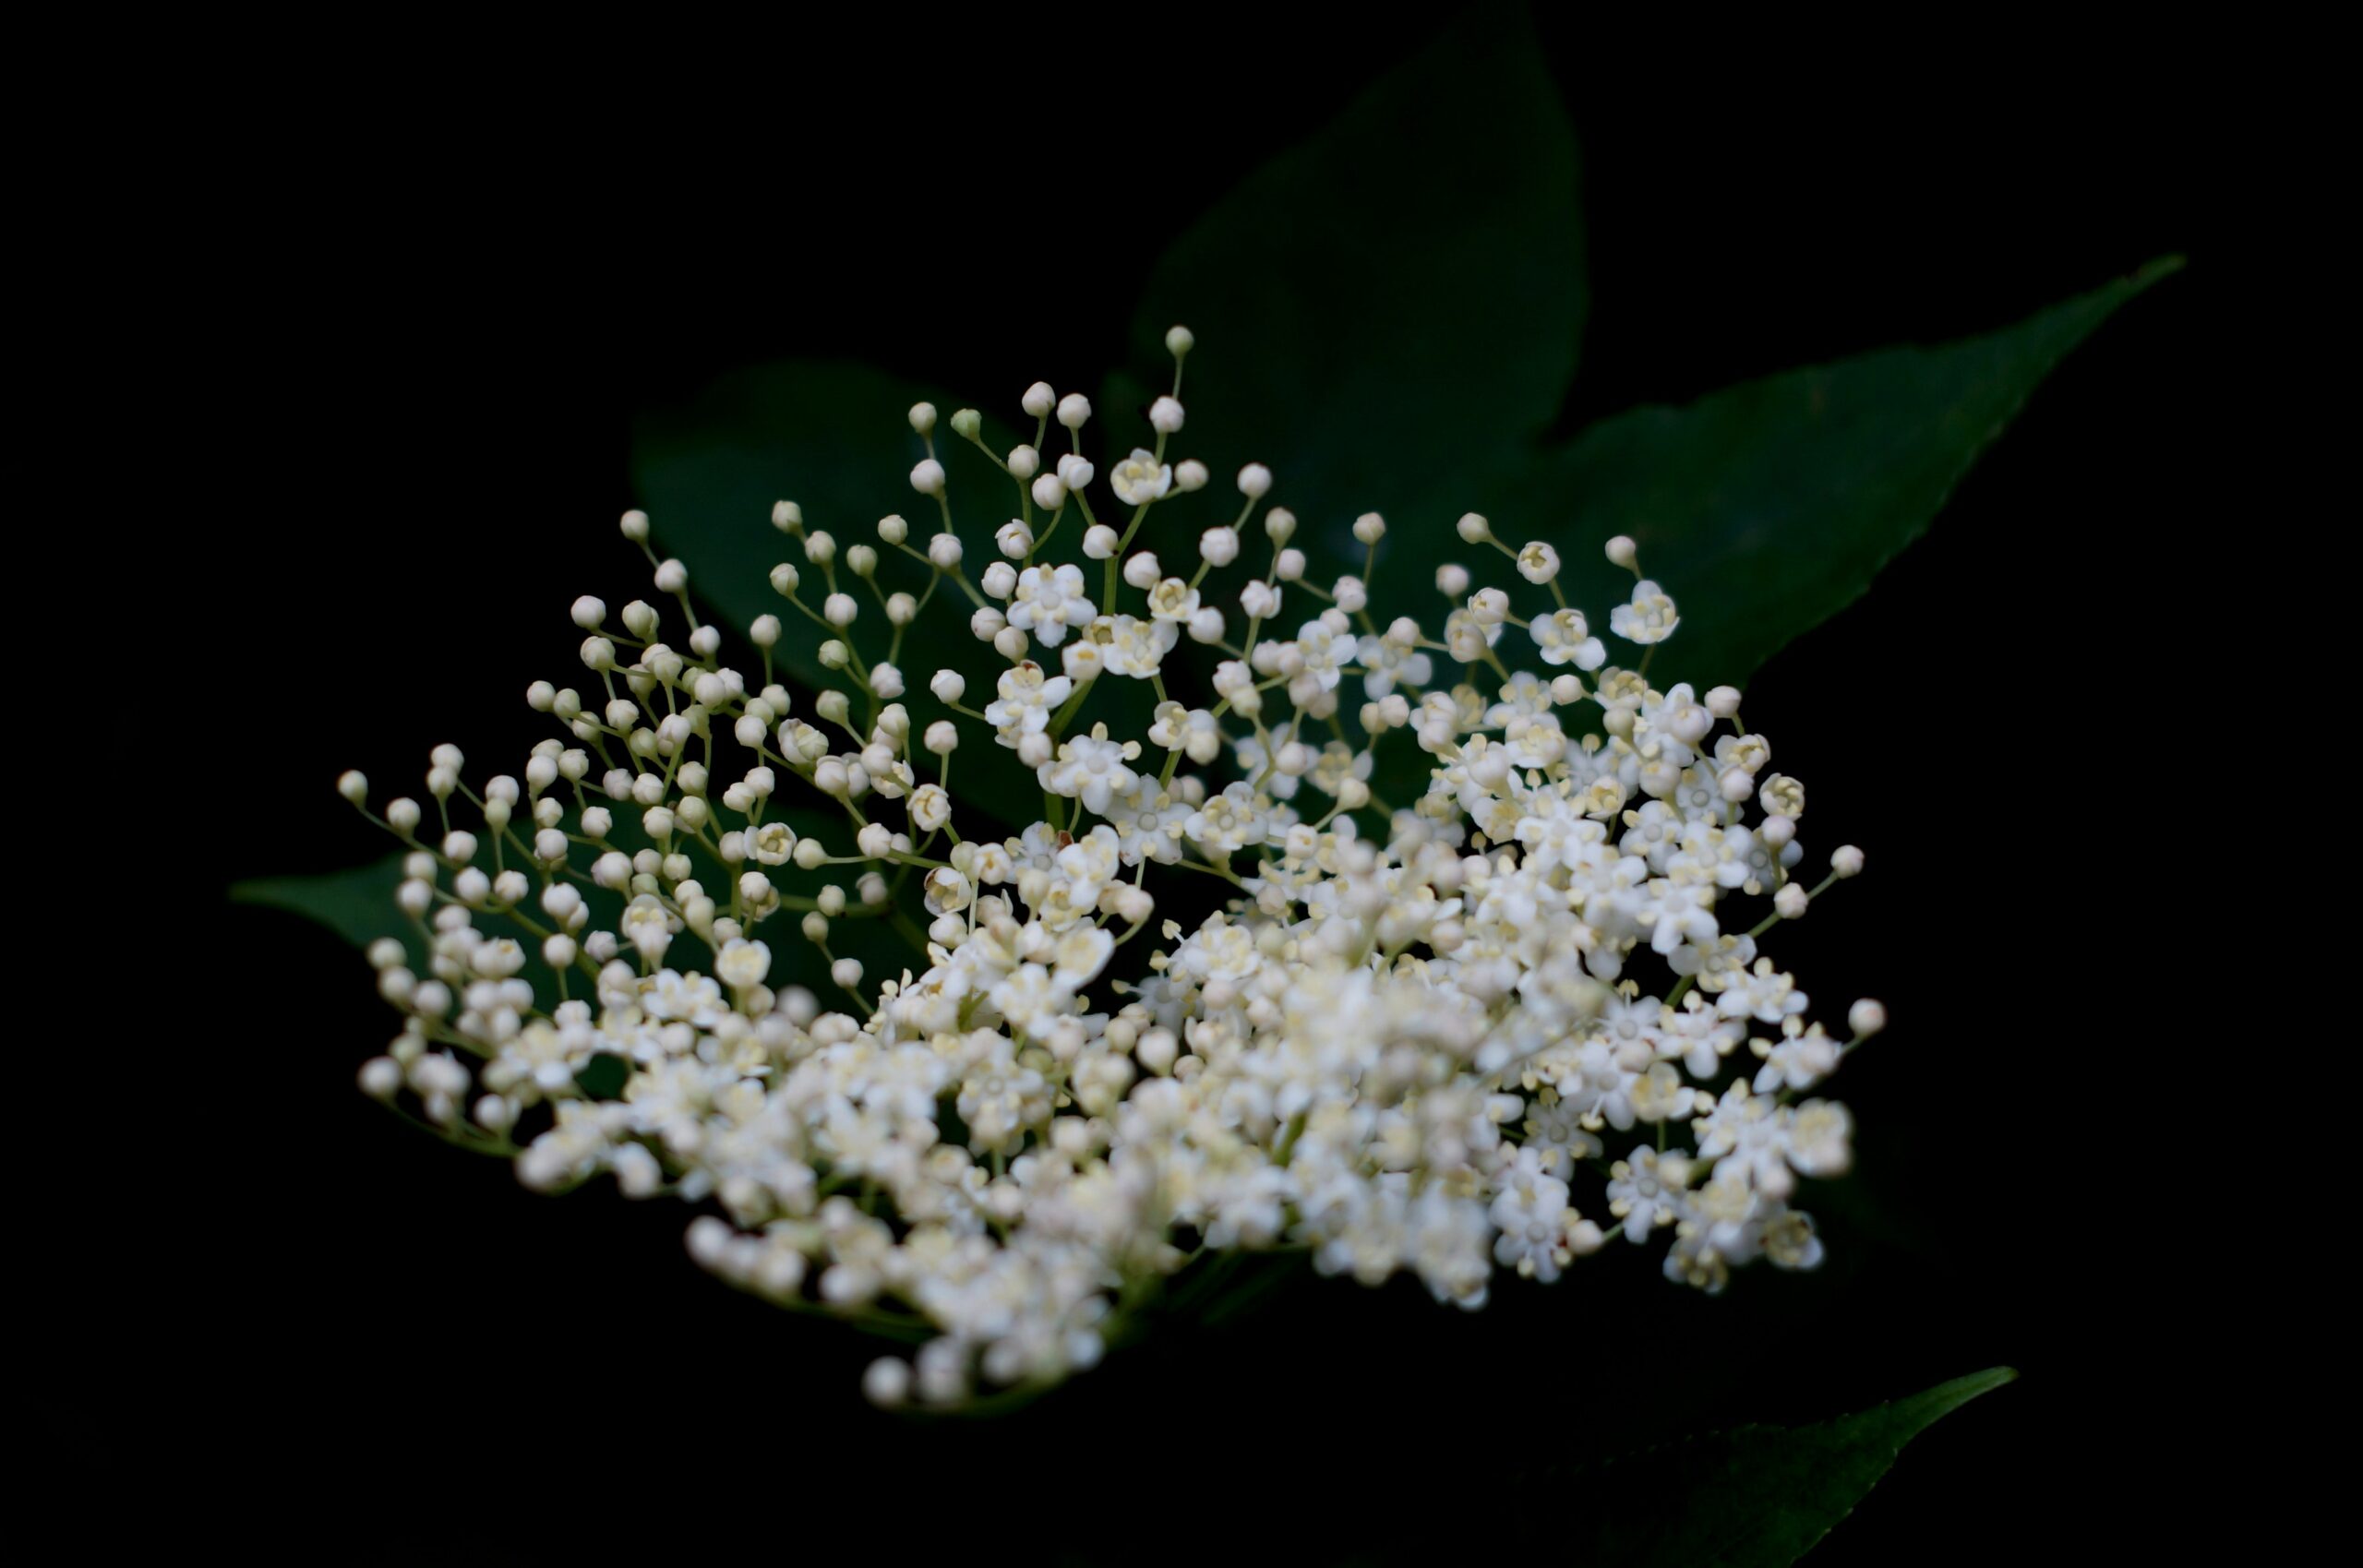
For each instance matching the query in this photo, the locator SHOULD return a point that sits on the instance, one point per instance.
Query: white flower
(649, 926)
(1138, 648)
(1172, 600)
(1535, 1226)
(743, 964)
(1650, 617)
(1338, 763)
(1679, 912)
(1148, 824)
(1262, 770)
(1027, 697)
(930, 808)
(1564, 637)
(1091, 770)
(1080, 955)
(1323, 651)
(1227, 822)
(1466, 637)
(1192, 731)
(1645, 1191)
(1140, 479)
(1556, 1136)
(1384, 663)
(1820, 1138)
(1050, 600)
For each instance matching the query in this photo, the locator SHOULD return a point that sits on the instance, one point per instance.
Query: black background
(432, 290)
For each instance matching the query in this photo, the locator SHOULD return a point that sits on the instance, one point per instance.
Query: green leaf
(604, 1076)
(1769, 507)
(357, 904)
(1385, 308)
(1752, 1497)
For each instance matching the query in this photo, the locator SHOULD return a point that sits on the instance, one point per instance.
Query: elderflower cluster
(1492, 1025)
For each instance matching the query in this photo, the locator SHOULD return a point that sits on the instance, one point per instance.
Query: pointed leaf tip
(1770, 506)
(1752, 1497)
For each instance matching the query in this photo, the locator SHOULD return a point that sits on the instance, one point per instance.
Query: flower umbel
(1492, 1025)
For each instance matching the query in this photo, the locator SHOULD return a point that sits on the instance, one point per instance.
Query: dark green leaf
(357, 904)
(1753, 1497)
(1769, 507)
(1385, 308)
(604, 1076)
